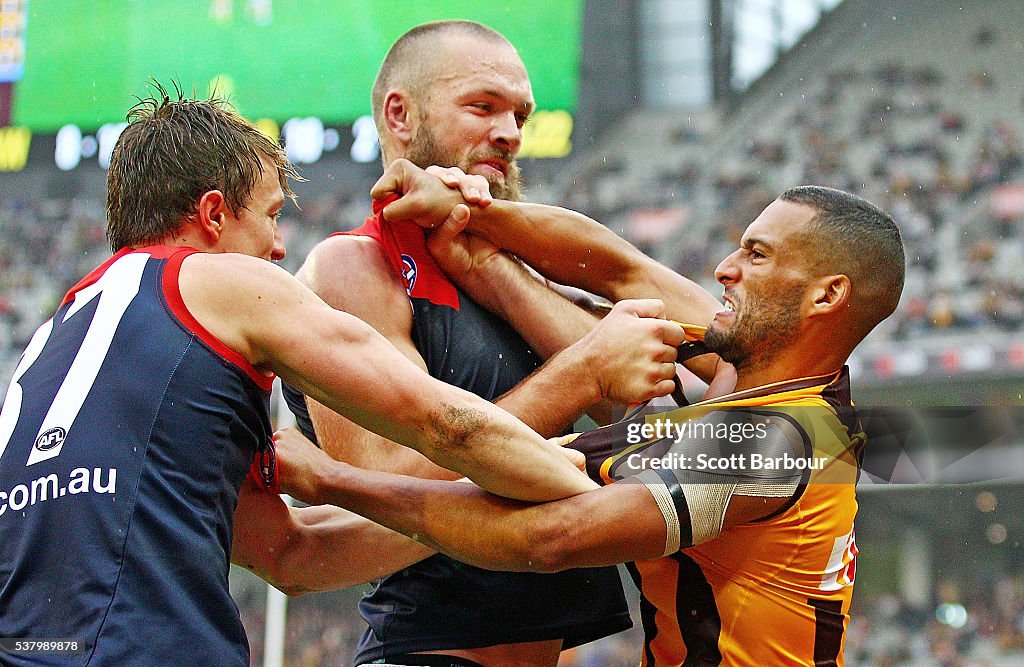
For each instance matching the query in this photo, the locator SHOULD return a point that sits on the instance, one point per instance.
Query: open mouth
(730, 308)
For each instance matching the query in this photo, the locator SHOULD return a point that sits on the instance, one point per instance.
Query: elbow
(550, 557)
(453, 428)
(286, 567)
(278, 577)
(546, 560)
(279, 574)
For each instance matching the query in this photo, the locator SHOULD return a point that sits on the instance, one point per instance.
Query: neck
(791, 364)
(183, 237)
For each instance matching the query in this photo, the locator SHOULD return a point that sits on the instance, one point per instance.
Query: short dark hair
(172, 152)
(407, 60)
(852, 236)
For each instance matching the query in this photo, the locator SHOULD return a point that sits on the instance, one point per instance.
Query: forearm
(464, 433)
(346, 441)
(365, 379)
(614, 524)
(555, 395)
(545, 319)
(572, 249)
(456, 518)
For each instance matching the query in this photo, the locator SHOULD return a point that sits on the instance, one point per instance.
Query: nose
(727, 270)
(506, 132)
(277, 252)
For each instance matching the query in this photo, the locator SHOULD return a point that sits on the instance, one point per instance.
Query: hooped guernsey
(775, 591)
(124, 439)
(441, 603)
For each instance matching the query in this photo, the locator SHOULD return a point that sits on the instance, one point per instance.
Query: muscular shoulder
(231, 295)
(352, 273)
(234, 275)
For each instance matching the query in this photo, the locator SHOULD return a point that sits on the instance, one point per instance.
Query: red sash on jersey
(405, 246)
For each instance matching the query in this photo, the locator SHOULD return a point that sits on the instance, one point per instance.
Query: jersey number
(116, 289)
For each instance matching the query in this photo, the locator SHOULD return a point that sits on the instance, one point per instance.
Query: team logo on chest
(409, 272)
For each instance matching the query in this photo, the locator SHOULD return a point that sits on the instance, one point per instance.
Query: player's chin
(715, 335)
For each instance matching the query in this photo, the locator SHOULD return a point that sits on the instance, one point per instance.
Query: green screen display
(86, 59)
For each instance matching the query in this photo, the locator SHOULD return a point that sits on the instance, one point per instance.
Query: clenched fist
(631, 353)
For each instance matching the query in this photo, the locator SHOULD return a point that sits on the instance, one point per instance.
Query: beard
(425, 150)
(764, 325)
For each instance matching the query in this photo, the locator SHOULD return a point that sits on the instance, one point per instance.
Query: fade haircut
(175, 150)
(409, 62)
(852, 236)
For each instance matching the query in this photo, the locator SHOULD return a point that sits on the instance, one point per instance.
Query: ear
(399, 115)
(831, 295)
(211, 214)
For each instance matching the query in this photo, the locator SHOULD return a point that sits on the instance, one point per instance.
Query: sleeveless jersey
(441, 603)
(771, 592)
(124, 438)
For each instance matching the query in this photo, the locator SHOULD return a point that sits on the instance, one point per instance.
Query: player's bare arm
(342, 362)
(630, 354)
(617, 351)
(563, 245)
(618, 523)
(351, 274)
(502, 284)
(301, 550)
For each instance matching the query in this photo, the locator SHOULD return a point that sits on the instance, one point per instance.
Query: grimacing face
(473, 113)
(765, 282)
(505, 180)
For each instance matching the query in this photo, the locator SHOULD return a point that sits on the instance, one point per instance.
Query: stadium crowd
(967, 626)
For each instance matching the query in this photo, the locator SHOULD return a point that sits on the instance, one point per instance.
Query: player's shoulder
(352, 273)
(344, 257)
(230, 268)
(348, 248)
(232, 278)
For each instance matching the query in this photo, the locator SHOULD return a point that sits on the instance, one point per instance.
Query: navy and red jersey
(441, 603)
(124, 438)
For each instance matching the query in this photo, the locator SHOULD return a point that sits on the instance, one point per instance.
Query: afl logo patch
(50, 439)
(409, 272)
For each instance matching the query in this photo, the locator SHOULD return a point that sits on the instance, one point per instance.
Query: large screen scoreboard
(301, 68)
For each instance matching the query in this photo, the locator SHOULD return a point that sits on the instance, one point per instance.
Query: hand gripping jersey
(441, 603)
(775, 591)
(124, 438)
